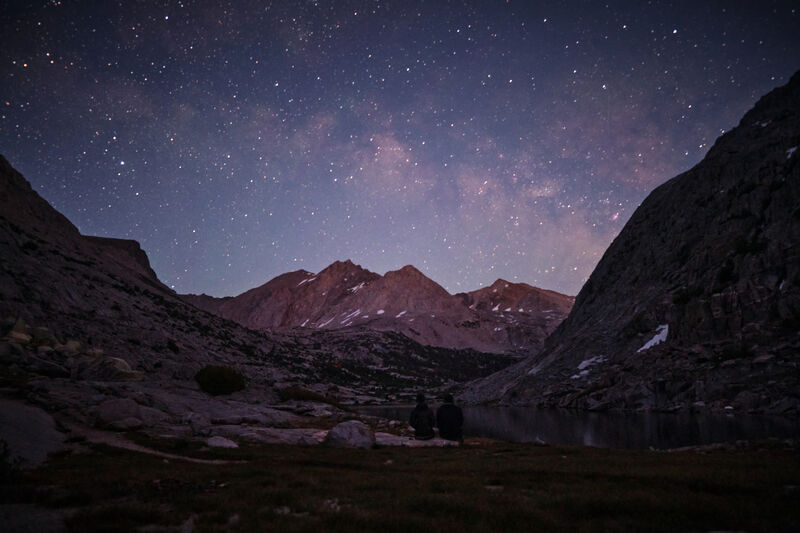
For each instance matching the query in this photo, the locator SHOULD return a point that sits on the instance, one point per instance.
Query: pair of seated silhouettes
(449, 419)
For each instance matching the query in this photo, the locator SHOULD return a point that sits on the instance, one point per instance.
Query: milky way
(475, 140)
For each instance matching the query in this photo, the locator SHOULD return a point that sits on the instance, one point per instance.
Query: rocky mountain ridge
(512, 318)
(696, 304)
(89, 334)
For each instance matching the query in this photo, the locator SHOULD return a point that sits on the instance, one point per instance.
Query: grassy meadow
(482, 486)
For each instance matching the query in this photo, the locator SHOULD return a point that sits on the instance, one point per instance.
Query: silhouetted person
(449, 420)
(422, 420)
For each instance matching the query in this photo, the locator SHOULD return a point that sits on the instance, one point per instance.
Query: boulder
(19, 333)
(199, 423)
(220, 442)
(351, 434)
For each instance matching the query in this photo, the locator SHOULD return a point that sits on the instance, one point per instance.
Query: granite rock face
(696, 304)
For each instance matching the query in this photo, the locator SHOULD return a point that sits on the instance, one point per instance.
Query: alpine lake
(610, 429)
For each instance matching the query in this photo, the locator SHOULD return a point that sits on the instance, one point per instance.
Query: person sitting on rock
(422, 420)
(449, 420)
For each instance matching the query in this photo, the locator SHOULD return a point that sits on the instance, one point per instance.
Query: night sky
(475, 140)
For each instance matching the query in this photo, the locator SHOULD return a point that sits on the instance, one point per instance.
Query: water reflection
(611, 429)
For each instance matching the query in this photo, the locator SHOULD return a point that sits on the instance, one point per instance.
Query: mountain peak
(341, 266)
(411, 270)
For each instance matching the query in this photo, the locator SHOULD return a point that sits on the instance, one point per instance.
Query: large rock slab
(389, 439)
(302, 436)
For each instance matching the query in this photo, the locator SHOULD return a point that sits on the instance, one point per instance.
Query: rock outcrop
(696, 304)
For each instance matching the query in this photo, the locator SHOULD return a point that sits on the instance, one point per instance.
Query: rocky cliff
(510, 318)
(697, 302)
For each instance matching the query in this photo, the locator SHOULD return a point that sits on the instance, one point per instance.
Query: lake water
(610, 429)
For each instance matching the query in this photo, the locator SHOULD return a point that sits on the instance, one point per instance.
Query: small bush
(216, 380)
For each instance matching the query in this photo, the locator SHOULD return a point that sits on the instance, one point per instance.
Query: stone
(199, 423)
(351, 434)
(764, 358)
(43, 349)
(220, 442)
(71, 347)
(20, 327)
(20, 338)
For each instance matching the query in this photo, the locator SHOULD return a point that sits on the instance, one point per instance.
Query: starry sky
(475, 140)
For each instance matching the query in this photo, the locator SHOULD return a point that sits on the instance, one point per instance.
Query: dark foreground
(483, 486)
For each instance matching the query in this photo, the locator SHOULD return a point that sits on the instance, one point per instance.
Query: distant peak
(342, 264)
(410, 269)
(345, 268)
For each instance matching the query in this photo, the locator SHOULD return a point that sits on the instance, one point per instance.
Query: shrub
(216, 380)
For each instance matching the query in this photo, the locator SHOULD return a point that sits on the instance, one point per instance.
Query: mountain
(697, 302)
(512, 318)
(89, 334)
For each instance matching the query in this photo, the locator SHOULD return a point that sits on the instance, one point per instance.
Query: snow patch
(401, 313)
(304, 323)
(498, 329)
(357, 287)
(496, 307)
(508, 309)
(764, 124)
(521, 310)
(579, 375)
(380, 312)
(350, 317)
(791, 152)
(591, 362)
(323, 324)
(308, 280)
(660, 336)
